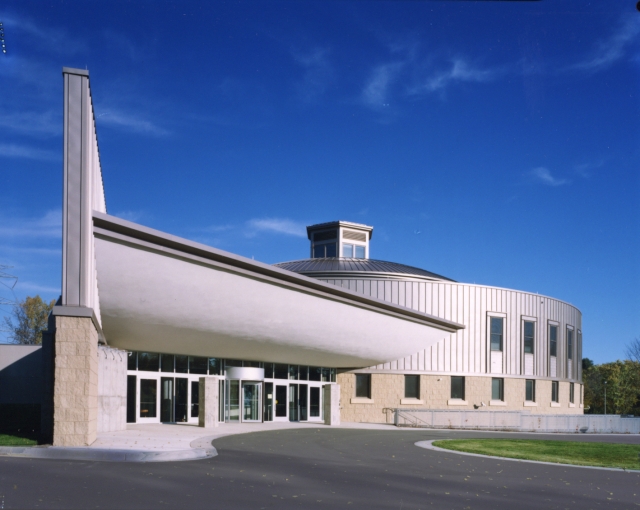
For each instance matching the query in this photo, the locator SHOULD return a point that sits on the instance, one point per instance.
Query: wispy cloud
(47, 226)
(275, 225)
(318, 72)
(459, 71)
(613, 49)
(129, 122)
(54, 39)
(47, 123)
(129, 215)
(585, 170)
(376, 89)
(10, 150)
(543, 175)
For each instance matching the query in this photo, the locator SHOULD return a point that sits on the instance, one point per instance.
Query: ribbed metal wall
(467, 351)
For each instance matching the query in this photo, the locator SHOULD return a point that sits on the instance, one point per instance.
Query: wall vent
(354, 236)
(325, 236)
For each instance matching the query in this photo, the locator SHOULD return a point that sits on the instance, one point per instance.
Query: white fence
(517, 421)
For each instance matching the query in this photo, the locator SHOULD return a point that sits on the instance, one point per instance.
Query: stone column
(208, 402)
(75, 384)
(331, 404)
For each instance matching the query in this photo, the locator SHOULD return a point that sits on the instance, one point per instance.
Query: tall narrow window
(571, 393)
(363, 385)
(412, 386)
(530, 390)
(497, 389)
(359, 252)
(457, 387)
(554, 391)
(529, 335)
(347, 250)
(569, 343)
(553, 340)
(496, 333)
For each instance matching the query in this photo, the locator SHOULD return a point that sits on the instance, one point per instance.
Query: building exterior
(153, 328)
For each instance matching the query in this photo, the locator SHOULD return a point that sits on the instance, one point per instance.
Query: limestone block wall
(75, 385)
(387, 394)
(112, 389)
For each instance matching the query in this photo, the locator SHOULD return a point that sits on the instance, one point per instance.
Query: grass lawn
(9, 440)
(563, 452)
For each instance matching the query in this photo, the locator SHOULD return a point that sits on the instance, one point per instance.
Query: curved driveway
(321, 468)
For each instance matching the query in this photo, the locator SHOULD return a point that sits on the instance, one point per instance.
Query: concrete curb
(428, 445)
(109, 455)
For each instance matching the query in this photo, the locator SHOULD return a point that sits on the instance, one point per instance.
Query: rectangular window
(569, 343)
(363, 385)
(315, 373)
(530, 390)
(303, 373)
(293, 371)
(182, 364)
(347, 250)
(571, 392)
(148, 398)
(553, 340)
(215, 366)
(457, 387)
(280, 371)
(331, 250)
(326, 375)
(529, 334)
(359, 252)
(268, 370)
(496, 333)
(321, 251)
(195, 399)
(166, 362)
(554, 391)
(318, 251)
(197, 365)
(412, 386)
(148, 361)
(132, 361)
(497, 389)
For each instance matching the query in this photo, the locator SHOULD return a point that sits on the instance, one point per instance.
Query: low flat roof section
(162, 293)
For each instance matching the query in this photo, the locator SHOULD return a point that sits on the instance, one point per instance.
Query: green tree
(586, 363)
(28, 320)
(623, 387)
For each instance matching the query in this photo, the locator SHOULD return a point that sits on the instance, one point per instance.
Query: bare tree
(632, 351)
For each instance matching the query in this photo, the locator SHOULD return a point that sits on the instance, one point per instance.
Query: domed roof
(361, 267)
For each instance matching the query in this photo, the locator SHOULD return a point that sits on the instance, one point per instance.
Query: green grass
(9, 440)
(563, 452)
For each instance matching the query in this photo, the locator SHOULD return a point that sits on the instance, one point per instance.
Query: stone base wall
(387, 394)
(75, 382)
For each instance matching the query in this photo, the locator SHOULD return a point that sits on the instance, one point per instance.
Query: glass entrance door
(181, 400)
(298, 402)
(166, 401)
(281, 401)
(251, 401)
(294, 415)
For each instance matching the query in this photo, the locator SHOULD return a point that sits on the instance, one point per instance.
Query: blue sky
(492, 142)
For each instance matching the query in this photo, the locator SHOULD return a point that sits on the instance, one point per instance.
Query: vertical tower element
(70, 412)
(339, 239)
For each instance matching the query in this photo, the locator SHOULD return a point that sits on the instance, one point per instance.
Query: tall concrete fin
(83, 193)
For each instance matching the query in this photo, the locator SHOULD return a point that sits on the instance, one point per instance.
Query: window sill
(412, 401)
(572, 405)
(361, 400)
(497, 403)
(528, 403)
(555, 404)
(457, 402)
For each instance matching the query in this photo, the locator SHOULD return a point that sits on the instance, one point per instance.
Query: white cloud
(613, 49)
(10, 150)
(277, 225)
(460, 71)
(586, 169)
(49, 226)
(376, 90)
(47, 123)
(318, 74)
(543, 175)
(129, 122)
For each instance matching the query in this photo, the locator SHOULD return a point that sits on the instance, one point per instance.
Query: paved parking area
(320, 467)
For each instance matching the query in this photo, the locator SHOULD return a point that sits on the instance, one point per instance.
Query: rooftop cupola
(339, 239)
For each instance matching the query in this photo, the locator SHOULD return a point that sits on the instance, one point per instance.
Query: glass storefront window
(197, 365)
(280, 371)
(182, 364)
(148, 361)
(293, 372)
(315, 374)
(195, 398)
(233, 363)
(268, 370)
(166, 362)
(148, 398)
(326, 375)
(333, 375)
(215, 366)
(304, 372)
(132, 361)
(254, 364)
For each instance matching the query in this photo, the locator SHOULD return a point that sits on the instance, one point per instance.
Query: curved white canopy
(165, 294)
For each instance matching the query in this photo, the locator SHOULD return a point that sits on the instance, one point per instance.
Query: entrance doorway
(298, 400)
(252, 399)
(281, 401)
(174, 399)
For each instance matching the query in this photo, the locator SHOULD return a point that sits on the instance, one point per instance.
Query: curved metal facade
(467, 351)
